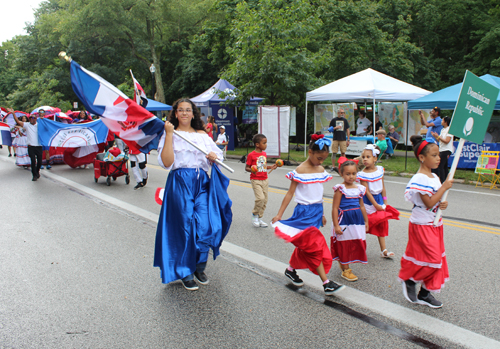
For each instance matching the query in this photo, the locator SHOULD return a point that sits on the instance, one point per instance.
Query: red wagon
(110, 169)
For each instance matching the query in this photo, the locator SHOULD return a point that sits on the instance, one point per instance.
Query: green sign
(474, 108)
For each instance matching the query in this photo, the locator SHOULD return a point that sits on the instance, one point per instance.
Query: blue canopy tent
(157, 106)
(210, 103)
(446, 98)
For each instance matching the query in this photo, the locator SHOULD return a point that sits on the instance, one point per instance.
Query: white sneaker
(255, 221)
(262, 223)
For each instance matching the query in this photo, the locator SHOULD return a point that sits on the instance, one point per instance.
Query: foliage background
(276, 49)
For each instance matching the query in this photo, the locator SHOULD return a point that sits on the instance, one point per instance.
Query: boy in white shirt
(222, 138)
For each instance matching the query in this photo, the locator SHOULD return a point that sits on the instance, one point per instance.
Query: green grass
(395, 164)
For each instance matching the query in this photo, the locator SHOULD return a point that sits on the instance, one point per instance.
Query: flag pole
(454, 165)
(204, 152)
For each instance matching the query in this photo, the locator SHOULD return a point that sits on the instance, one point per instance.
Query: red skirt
(424, 260)
(310, 250)
(378, 221)
(348, 251)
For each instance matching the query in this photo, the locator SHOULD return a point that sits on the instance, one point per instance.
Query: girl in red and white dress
(424, 260)
(375, 200)
(350, 223)
(301, 229)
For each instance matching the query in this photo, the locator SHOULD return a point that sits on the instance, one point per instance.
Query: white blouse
(375, 185)
(187, 156)
(422, 184)
(374, 179)
(309, 189)
(446, 146)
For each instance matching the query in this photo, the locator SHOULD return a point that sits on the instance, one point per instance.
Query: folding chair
(487, 169)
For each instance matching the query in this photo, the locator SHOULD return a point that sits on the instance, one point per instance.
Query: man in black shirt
(341, 135)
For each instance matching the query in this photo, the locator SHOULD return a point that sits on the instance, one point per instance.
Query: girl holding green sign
(424, 260)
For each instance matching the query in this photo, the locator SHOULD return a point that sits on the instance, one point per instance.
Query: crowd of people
(190, 225)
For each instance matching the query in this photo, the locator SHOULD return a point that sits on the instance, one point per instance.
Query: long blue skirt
(187, 228)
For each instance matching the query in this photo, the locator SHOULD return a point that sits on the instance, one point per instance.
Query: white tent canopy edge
(363, 86)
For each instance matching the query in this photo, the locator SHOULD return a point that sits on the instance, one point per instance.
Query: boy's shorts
(45, 148)
(336, 144)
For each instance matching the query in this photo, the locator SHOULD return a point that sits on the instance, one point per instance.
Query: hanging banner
(394, 114)
(224, 116)
(471, 152)
(269, 125)
(324, 113)
(414, 125)
(250, 115)
(284, 128)
(293, 122)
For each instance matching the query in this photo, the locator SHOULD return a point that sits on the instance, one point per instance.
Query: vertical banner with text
(224, 116)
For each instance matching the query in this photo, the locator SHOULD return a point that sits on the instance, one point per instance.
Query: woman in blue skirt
(196, 213)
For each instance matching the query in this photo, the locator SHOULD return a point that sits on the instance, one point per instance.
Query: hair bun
(315, 137)
(415, 140)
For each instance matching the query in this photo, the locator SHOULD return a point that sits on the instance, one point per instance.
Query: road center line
(439, 328)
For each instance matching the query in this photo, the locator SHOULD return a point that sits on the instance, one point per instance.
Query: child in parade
(424, 260)
(375, 200)
(259, 179)
(138, 163)
(350, 222)
(21, 144)
(187, 228)
(311, 250)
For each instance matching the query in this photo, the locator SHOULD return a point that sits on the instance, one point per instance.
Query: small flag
(139, 94)
(5, 133)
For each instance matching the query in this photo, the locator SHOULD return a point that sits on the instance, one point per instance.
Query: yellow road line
(449, 223)
(446, 222)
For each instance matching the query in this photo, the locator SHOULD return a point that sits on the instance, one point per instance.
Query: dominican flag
(9, 117)
(136, 126)
(139, 94)
(6, 138)
(56, 134)
(3, 112)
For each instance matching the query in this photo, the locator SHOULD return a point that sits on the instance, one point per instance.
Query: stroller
(110, 169)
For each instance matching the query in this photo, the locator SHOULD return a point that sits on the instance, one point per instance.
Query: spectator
(433, 124)
(339, 126)
(363, 124)
(393, 136)
(222, 138)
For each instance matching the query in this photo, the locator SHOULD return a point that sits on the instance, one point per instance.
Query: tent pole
(374, 130)
(305, 130)
(406, 140)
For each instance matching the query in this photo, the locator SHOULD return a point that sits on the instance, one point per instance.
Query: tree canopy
(275, 49)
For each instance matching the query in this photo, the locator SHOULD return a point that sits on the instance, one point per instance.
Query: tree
(356, 37)
(271, 55)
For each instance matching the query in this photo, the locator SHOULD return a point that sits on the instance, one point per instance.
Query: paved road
(77, 272)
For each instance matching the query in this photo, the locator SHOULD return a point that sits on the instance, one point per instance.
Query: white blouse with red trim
(310, 186)
(422, 184)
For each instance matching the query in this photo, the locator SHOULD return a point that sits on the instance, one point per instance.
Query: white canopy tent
(365, 86)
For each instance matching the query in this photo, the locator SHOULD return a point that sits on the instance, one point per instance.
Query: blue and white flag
(5, 137)
(136, 126)
(56, 134)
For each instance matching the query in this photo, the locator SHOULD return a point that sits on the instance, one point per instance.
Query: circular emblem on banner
(222, 113)
(468, 126)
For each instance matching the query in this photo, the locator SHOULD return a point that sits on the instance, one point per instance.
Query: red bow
(315, 137)
(343, 159)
